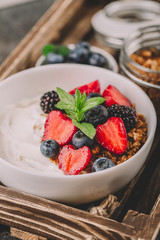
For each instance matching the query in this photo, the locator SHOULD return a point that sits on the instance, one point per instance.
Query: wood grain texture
(47, 29)
(146, 226)
(137, 220)
(53, 220)
(56, 24)
(24, 235)
(152, 227)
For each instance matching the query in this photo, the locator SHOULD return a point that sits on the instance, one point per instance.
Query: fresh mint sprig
(60, 49)
(76, 106)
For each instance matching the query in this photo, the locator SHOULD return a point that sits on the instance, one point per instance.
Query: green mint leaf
(83, 98)
(62, 50)
(47, 49)
(92, 102)
(65, 97)
(78, 99)
(75, 115)
(71, 114)
(86, 128)
(80, 116)
(64, 106)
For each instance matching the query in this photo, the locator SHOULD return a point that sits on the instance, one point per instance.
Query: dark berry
(80, 140)
(102, 163)
(52, 58)
(79, 55)
(127, 114)
(49, 148)
(83, 44)
(92, 95)
(96, 115)
(97, 59)
(48, 101)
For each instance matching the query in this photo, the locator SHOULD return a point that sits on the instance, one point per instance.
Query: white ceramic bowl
(111, 62)
(79, 188)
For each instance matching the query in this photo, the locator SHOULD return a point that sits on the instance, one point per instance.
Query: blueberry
(80, 140)
(52, 58)
(49, 148)
(79, 55)
(83, 44)
(92, 95)
(102, 163)
(96, 115)
(97, 59)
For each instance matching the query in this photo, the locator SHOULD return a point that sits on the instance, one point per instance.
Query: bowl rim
(150, 137)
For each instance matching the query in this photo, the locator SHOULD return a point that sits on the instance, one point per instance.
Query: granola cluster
(136, 138)
(149, 58)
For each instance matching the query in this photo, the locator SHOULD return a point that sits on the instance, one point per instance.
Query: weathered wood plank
(152, 226)
(137, 220)
(24, 235)
(49, 219)
(54, 26)
(29, 48)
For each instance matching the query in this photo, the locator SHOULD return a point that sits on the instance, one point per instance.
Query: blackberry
(48, 101)
(127, 114)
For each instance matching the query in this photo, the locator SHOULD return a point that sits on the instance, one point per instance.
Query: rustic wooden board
(53, 220)
(69, 21)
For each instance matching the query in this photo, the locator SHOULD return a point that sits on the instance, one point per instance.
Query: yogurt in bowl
(43, 178)
(24, 123)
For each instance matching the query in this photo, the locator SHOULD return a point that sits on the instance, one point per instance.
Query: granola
(136, 138)
(149, 59)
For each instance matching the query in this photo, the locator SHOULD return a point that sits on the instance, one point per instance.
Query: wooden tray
(68, 21)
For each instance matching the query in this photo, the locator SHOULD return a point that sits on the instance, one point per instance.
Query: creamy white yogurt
(21, 130)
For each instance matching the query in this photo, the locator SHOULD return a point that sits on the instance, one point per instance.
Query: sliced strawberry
(59, 128)
(88, 88)
(114, 96)
(72, 161)
(112, 135)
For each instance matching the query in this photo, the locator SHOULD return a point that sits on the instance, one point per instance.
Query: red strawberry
(114, 96)
(59, 128)
(72, 161)
(112, 135)
(88, 88)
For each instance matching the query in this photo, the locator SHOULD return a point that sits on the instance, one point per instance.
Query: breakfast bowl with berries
(73, 133)
(80, 53)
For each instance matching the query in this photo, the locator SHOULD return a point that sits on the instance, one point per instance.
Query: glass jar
(144, 40)
(117, 19)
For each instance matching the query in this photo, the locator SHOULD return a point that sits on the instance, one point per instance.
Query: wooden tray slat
(47, 218)
(56, 23)
(50, 219)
